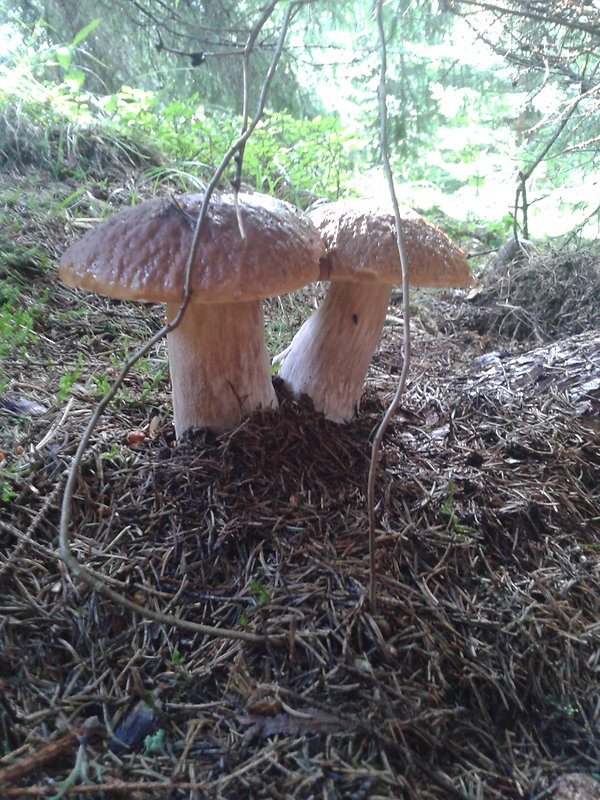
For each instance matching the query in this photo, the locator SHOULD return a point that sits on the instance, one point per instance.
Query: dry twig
(405, 310)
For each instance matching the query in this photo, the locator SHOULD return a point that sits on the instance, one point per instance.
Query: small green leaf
(79, 37)
(63, 56)
(447, 505)
(75, 79)
(155, 742)
(261, 594)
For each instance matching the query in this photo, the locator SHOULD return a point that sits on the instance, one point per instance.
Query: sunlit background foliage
(488, 102)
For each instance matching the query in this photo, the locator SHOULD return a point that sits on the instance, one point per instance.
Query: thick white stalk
(329, 356)
(219, 363)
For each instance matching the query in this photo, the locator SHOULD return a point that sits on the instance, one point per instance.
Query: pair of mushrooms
(219, 364)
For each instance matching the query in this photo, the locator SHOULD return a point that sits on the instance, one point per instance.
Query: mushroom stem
(219, 365)
(329, 356)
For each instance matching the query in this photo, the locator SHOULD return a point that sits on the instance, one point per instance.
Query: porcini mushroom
(329, 356)
(218, 358)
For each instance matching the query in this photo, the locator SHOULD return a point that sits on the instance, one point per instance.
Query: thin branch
(248, 49)
(559, 129)
(576, 231)
(539, 17)
(405, 311)
(119, 787)
(524, 175)
(521, 196)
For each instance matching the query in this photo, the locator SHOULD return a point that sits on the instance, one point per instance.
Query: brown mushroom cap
(360, 239)
(141, 252)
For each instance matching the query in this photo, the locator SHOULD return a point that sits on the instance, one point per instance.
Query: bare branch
(523, 13)
(405, 309)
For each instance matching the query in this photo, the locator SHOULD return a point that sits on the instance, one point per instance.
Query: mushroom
(219, 362)
(329, 356)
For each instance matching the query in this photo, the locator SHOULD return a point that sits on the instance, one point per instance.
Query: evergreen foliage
(493, 105)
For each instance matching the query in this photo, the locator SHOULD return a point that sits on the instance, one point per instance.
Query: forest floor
(477, 675)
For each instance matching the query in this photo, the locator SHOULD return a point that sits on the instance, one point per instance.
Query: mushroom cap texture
(360, 239)
(141, 252)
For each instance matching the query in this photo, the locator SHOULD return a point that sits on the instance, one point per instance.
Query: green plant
(261, 595)
(7, 493)
(16, 329)
(17, 322)
(118, 358)
(119, 455)
(563, 704)
(66, 382)
(101, 385)
(16, 259)
(158, 376)
(10, 475)
(285, 156)
(155, 742)
(112, 453)
(447, 509)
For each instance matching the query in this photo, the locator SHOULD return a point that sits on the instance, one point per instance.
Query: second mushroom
(330, 354)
